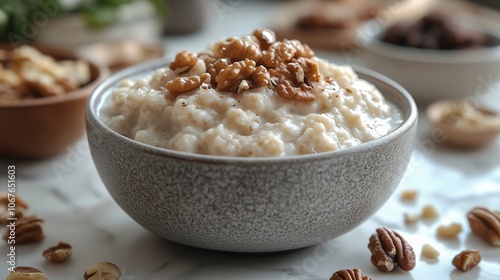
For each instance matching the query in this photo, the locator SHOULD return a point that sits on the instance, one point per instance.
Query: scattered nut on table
(485, 223)
(58, 253)
(388, 249)
(449, 231)
(429, 251)
(429, 212)
(26, 273)
(102, 271)
(27, 230)
(467, 259)
(349, 274)
(411, 218)
(409, 195)
(11, 207)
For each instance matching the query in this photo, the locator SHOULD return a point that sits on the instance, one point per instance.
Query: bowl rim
(94, 104)
(374, 44)
(81, 92)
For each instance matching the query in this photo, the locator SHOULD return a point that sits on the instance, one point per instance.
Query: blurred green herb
(101, 13)
(20, 20)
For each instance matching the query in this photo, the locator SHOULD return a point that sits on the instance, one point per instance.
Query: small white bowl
(430, 75)
(459, 137)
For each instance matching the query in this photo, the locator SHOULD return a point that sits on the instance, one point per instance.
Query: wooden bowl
(41, 127)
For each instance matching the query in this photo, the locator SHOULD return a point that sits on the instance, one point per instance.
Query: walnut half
(293, 80)
(185, 84)
(349, 274)
(485, 223)
(183, 61)
(388, 249)
(241, 76)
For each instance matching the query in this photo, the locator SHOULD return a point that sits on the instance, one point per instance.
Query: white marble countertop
(68, 194)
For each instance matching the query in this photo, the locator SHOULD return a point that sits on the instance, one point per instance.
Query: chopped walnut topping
(293, 82)
(237, 49)
(300, 93)
(183, 61)
(184, 84)
(302, 50)
(230, 77)
(215, 66)
(266, 37)
(242, 75)
(311, 70)
(279, 52)
(261, 77)
(237, 65)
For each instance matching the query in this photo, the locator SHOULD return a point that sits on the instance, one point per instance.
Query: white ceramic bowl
(430, 75)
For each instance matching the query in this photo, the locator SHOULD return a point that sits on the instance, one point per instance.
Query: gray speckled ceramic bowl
(250, 204)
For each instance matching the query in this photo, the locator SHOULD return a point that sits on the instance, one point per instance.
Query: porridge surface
(327, 110)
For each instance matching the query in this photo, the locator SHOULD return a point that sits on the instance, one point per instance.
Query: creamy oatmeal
(251, 97)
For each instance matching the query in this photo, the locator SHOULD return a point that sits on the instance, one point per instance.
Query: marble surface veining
(67, 193)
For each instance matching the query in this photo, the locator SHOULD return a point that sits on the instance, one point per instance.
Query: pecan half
(16, 203)
(237, 49)
(28, 229)
(58, 253)
(266, 37)
(349, 274)
(26, 273)
(102, 271)
(485, 223)
(183, 61)
(467, 259)
(184, 84)
(388, 249)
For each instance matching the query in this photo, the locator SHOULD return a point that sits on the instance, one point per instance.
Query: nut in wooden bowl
(41, 101)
